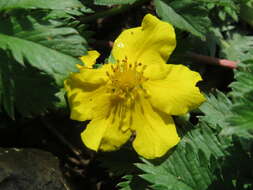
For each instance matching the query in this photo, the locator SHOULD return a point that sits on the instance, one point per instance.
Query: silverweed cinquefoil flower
(135, 96)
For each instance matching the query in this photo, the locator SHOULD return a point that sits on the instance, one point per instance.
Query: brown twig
(65, 142)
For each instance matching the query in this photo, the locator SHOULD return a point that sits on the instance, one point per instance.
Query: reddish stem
(213, 60)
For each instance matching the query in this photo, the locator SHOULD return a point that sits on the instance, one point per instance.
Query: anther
(135, 64)
(143, 68)
(113, 69)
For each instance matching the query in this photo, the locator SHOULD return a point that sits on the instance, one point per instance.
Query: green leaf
(113, 2)
(204, 138)
(38, 4)
(225, 8)
(238, 47)
(68, 15)
(184, 14)
(246, 13)
(37, 57)
(216, 109)
(44, 47)
(63, 39)
(244, 80)
(133, 182)
(183, 169)
(25, 88)
(241, 122)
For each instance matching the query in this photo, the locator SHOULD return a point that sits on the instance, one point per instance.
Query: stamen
(143, 68)
(112, 68)
(126, 79)
(135, 65)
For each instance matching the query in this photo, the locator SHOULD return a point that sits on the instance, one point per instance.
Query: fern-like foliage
(241, 122)
(238, 47)
(217, 110)
(184, 169)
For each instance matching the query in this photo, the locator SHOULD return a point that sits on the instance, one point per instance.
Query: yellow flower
(135, 96)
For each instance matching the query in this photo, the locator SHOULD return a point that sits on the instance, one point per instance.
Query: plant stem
(212, 60)
(112, 11)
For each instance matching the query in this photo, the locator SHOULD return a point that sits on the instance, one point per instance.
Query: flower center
(126, 78)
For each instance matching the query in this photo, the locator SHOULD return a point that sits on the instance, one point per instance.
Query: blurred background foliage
(41, 42)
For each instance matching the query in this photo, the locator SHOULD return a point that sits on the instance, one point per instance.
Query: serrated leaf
(113, 2)
(39, 4)
(216, 109)
(206, 139)
(25, 88)
(238, 47)
(68, 14)
(225, 8)
(242, 119)
(244, 80)
(48, 62)
(186, 15)
(44, 47)
(183, 169)
(132, 182)
(40, 50)
(64, 39)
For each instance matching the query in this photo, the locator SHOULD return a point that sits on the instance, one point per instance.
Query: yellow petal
(84, 91)
(155, 131)
(90, 59)
(108, 130)
(91, 76)
(177, 94)
(150, 44)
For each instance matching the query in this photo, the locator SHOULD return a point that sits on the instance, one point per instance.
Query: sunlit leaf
(42, 4)
(186, 15)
